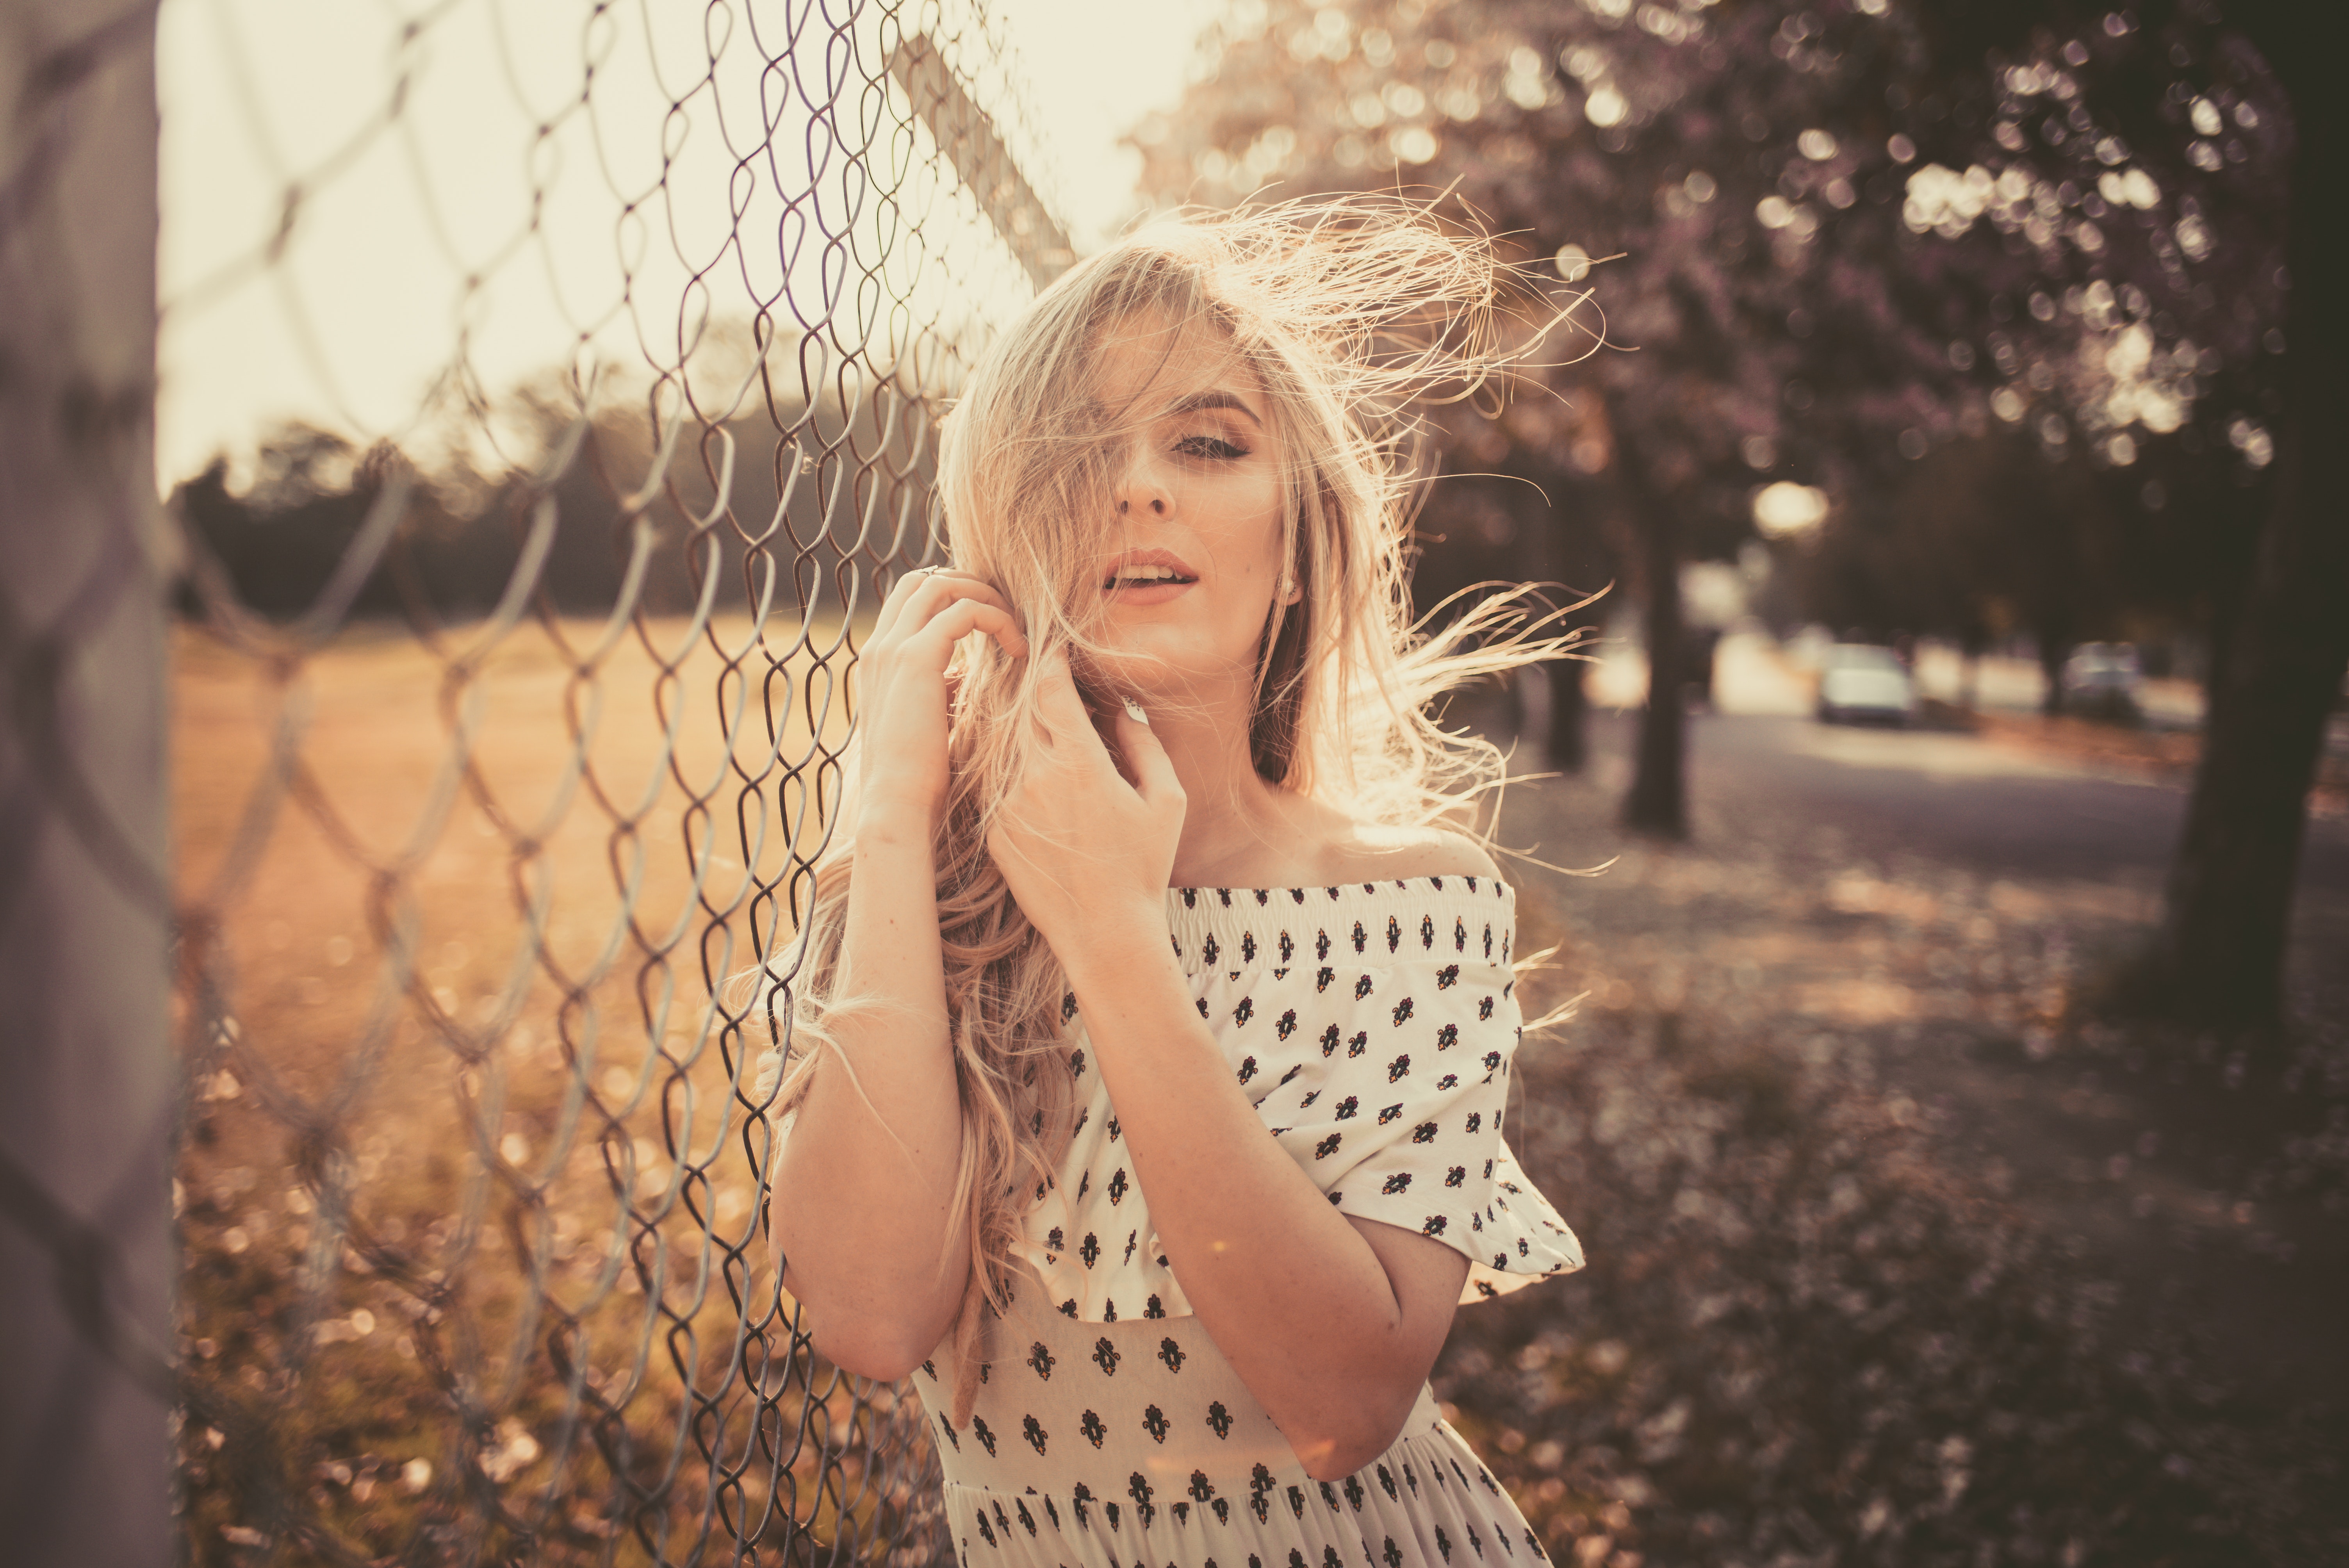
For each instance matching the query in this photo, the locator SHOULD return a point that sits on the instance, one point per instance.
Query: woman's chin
(1137, 670)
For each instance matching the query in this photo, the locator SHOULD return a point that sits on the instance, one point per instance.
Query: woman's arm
(863, 1213)
(1333, 1322)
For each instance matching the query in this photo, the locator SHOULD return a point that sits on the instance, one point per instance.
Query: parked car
(2102, 680)
(1862, 682)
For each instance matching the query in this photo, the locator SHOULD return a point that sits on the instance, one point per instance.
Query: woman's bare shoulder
(1380, 851)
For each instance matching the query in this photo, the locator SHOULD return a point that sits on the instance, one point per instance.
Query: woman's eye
(1209, 446)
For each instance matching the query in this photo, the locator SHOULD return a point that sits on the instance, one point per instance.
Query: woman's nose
(1142, 488)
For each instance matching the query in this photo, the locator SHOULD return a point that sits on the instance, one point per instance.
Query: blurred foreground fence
(503, 731)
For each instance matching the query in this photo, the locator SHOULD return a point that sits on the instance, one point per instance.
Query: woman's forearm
(1333, 1343)
(864, 1196)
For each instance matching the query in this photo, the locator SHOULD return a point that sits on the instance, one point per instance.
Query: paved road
(1954, 797)
(1991, 807)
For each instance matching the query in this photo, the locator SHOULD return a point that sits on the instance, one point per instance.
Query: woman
(1151, 1054)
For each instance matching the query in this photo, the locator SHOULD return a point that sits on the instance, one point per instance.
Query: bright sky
(368, 304)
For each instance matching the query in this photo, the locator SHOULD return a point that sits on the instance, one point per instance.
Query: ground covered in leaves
(1898, 1253)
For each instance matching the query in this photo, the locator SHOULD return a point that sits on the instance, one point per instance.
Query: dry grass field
(468, 1204)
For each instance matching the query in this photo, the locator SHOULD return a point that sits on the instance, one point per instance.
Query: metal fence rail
(85, 1080)
(505, 727)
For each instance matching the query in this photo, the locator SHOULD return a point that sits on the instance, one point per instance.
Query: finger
(938, 590)
(958, 619)
(892, 604)
(907, 592)
(1059, 705)
(1148, 765)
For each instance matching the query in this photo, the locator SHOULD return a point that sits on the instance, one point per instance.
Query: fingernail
(1133, 711)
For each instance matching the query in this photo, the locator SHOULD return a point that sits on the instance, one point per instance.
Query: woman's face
(1191, 561)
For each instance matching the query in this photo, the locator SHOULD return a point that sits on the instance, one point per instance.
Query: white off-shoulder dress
(1374, 1028)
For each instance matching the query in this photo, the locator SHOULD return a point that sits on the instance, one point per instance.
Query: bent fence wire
(506, 736)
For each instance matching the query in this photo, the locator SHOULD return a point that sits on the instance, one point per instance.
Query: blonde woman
(1153, 1042)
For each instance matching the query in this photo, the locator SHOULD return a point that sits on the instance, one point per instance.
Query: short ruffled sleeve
(1398, 1115)
(1374, 1028)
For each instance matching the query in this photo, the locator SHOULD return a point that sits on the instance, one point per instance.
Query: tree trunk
(1658, 801)
(2220, 957)
(2054, 648)
(1570, 714)
(1571, 556)
(2229, 588)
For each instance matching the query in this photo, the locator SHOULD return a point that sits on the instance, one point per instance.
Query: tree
(277, 539)
(1734, 153)
(1856, 235)
(1512, 504)
(2221, 954)
(2217, 129)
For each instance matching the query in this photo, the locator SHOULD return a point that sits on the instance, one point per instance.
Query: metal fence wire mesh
(508, 722)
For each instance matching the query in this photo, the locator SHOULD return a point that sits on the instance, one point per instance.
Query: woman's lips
(1154, 591)
(1159, 592)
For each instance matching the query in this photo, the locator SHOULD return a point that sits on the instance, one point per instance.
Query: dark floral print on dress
(1448, 995)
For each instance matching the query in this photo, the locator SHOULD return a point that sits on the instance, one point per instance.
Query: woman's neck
(1238, 831)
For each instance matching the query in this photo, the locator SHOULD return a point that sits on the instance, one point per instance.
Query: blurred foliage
(767, 505)
(1852, 239)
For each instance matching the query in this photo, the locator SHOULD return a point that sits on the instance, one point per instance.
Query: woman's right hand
(906, 700)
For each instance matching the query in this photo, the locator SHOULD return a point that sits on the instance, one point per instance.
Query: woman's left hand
(1086, 847)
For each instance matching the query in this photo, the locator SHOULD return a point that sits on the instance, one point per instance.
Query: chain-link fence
(508, 680)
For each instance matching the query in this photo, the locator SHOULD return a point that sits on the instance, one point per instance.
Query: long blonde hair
(1344, 311)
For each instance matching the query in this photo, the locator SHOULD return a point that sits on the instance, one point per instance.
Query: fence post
(86, 1077)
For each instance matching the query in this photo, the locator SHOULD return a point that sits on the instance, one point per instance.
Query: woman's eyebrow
(1214, 398)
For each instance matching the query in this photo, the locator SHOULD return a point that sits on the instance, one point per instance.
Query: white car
(2102, 680)
(1858, 681)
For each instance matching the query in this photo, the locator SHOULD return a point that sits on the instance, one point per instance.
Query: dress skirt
(1105, 1445)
